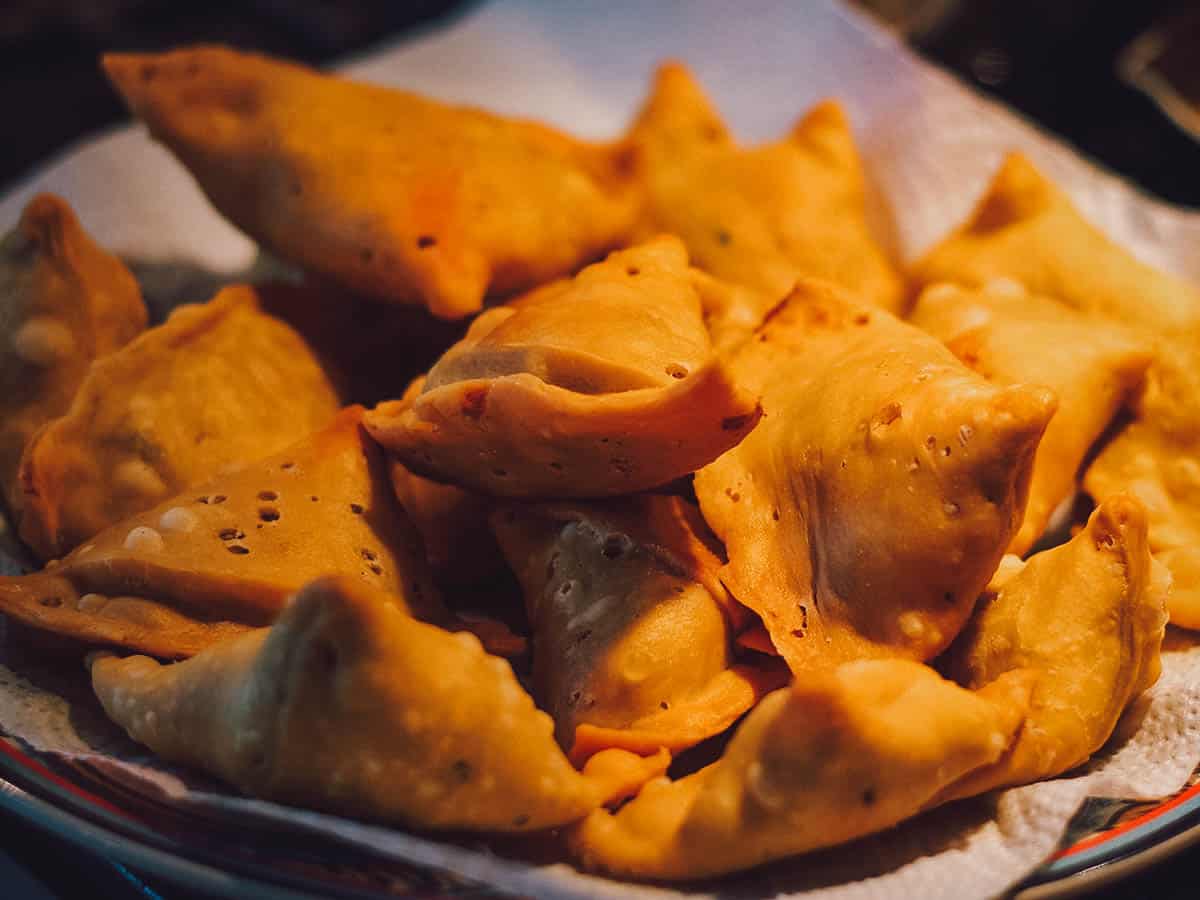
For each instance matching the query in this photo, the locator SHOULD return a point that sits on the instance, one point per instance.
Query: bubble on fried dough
(143, 539)
(178, 519)
(43, 341)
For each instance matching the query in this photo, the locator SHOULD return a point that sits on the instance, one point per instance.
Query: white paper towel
(931, 145)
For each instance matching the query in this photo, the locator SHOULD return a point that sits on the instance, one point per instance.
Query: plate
(1108, 839)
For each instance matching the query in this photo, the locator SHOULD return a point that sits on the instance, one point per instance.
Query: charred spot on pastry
(868, 796)
(52, 602)
(735, 423)
(622, 464)
(268, 513)
(325, 655)
(231, 534)
(461, 770)
(675, 370)
(723, 237)
(426, 241)
(633, 271)
(615, 546)
(238, 549)
(474, 402)
(520, 821)
(268, 496)
(356, 508)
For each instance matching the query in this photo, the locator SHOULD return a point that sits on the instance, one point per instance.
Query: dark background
(1054, 60)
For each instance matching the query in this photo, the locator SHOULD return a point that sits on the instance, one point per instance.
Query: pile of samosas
(741, 485)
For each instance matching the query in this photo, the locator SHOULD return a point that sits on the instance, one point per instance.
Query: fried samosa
(1156, 457)
(1008, 335)
(1025, 228)
(216, 386)
(632, 629)
(870, 507)
(731, 311)
(602, 385)
(349, 704)
(64, 302)
(834, 757)
(380, 190)
(1088, 617)
(226, 554)
(764, 216)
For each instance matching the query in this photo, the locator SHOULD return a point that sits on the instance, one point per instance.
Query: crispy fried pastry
(216, 386)
(1088, 617)
(64, 302)
(383, 191)
(1025, 228)
(868, 510)
(602, 385)
(834, 757)
(350, 704)
(228, 553)
(763, 216)
(632, 629)
(1156, 457)
(1008, 335)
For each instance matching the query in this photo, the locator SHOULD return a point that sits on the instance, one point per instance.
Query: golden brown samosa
(1161, 469)
(836, 756)
(64, 302)
(601, 385)
(226, 554)
(632, 629)
(731, 311)
(872, 504)
(383, 191)
(762, 216)
(216, 386)
(349, 704)
(1088, 618)
(1027, 229)
(1008, 335)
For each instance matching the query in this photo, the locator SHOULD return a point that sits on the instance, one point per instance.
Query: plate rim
(56, 803)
